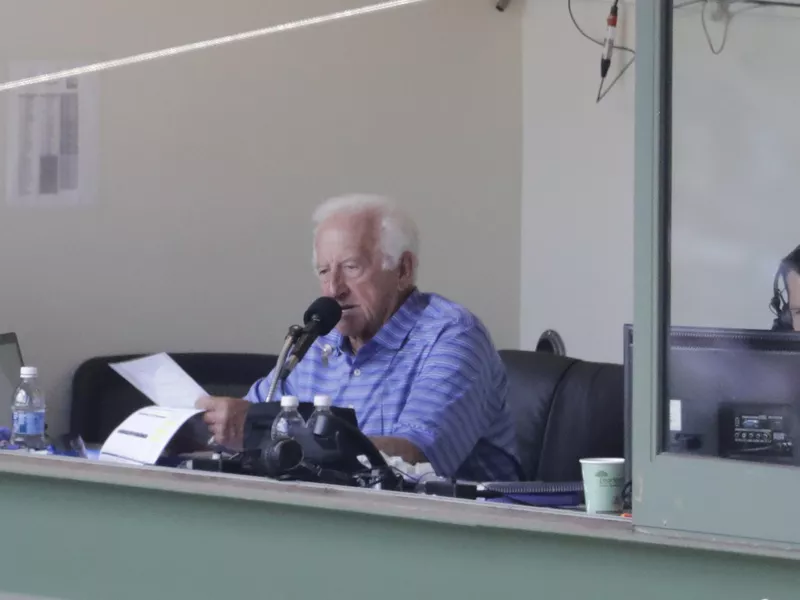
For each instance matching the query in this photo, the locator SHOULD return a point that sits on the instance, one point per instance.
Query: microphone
(608, 43)
(276, 458)
(320, 318)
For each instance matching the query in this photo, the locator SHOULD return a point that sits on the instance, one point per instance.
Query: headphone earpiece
(780, 307)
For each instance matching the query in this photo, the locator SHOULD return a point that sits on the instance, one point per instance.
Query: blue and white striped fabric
(432, 376)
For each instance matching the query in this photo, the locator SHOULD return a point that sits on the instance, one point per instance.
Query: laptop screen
(10, 363)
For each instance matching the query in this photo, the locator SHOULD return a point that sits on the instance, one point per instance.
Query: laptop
(10, 363)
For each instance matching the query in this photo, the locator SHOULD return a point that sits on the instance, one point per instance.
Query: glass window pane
(733, 366)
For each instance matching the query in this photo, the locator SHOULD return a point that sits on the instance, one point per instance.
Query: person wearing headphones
(785, 303)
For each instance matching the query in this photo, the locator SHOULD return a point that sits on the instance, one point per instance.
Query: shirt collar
(395, 331)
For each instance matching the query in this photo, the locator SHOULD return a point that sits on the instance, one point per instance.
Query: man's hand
(225, 418)
(396, 446)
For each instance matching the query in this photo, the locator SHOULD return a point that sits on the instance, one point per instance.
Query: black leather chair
(102, 399)
(565, 409)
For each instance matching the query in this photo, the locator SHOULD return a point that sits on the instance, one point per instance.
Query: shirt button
(357, 372)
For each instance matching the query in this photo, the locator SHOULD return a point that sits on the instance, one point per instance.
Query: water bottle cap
(322, 400)
(29, 372)
(290, 402)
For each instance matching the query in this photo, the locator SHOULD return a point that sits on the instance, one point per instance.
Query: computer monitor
(10, 363)
(732, 393)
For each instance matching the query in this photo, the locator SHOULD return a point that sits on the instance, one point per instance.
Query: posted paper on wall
(52, 135)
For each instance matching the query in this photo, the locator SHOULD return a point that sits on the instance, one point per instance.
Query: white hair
(398, 232)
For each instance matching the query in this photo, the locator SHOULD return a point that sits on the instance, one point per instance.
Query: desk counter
(84, 530)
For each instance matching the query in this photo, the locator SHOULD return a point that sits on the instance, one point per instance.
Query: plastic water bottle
(288, 420)
(322, 407)
(28, 411)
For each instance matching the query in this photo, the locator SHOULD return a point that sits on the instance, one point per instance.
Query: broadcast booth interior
(637, 462)
(336, 452)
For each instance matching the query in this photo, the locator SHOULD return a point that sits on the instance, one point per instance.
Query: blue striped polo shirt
(431, 375)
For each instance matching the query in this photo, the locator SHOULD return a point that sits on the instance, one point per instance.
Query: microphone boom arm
(291, 338)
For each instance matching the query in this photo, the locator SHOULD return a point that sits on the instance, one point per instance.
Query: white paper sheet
(161, 379)
(52, 152)
(141, 438)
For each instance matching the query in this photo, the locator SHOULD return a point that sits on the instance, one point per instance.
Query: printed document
(141, 438)
(52, 138)
(161, 379)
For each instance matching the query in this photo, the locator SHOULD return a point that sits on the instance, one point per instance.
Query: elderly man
(420, 371)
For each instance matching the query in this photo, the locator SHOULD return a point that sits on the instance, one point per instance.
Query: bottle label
(282, 427)
(29, 423)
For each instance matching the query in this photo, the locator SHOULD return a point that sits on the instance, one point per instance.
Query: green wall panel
(79, 541)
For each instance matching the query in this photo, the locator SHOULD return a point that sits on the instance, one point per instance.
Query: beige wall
(735, 143)
(211, 164)
(577, 201)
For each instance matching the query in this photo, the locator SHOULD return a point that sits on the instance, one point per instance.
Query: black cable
(405, 475)
(600, 92)
(728, 18)
(595, 40)
(686, 3)
(603, 91)
(752, 4)
(765, 3)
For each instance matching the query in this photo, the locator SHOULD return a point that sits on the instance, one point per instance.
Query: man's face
(793, 291)
(350, 270)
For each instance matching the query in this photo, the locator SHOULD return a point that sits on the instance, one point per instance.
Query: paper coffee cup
(603, 482)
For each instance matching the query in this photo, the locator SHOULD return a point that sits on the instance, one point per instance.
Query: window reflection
(733, 365)
(733, 393)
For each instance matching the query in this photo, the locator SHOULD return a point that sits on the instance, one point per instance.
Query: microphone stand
(294, 333)
(291, 338)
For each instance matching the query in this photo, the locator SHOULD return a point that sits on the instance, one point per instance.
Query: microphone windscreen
(285, 454)
(278, 457)
(326, 311)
